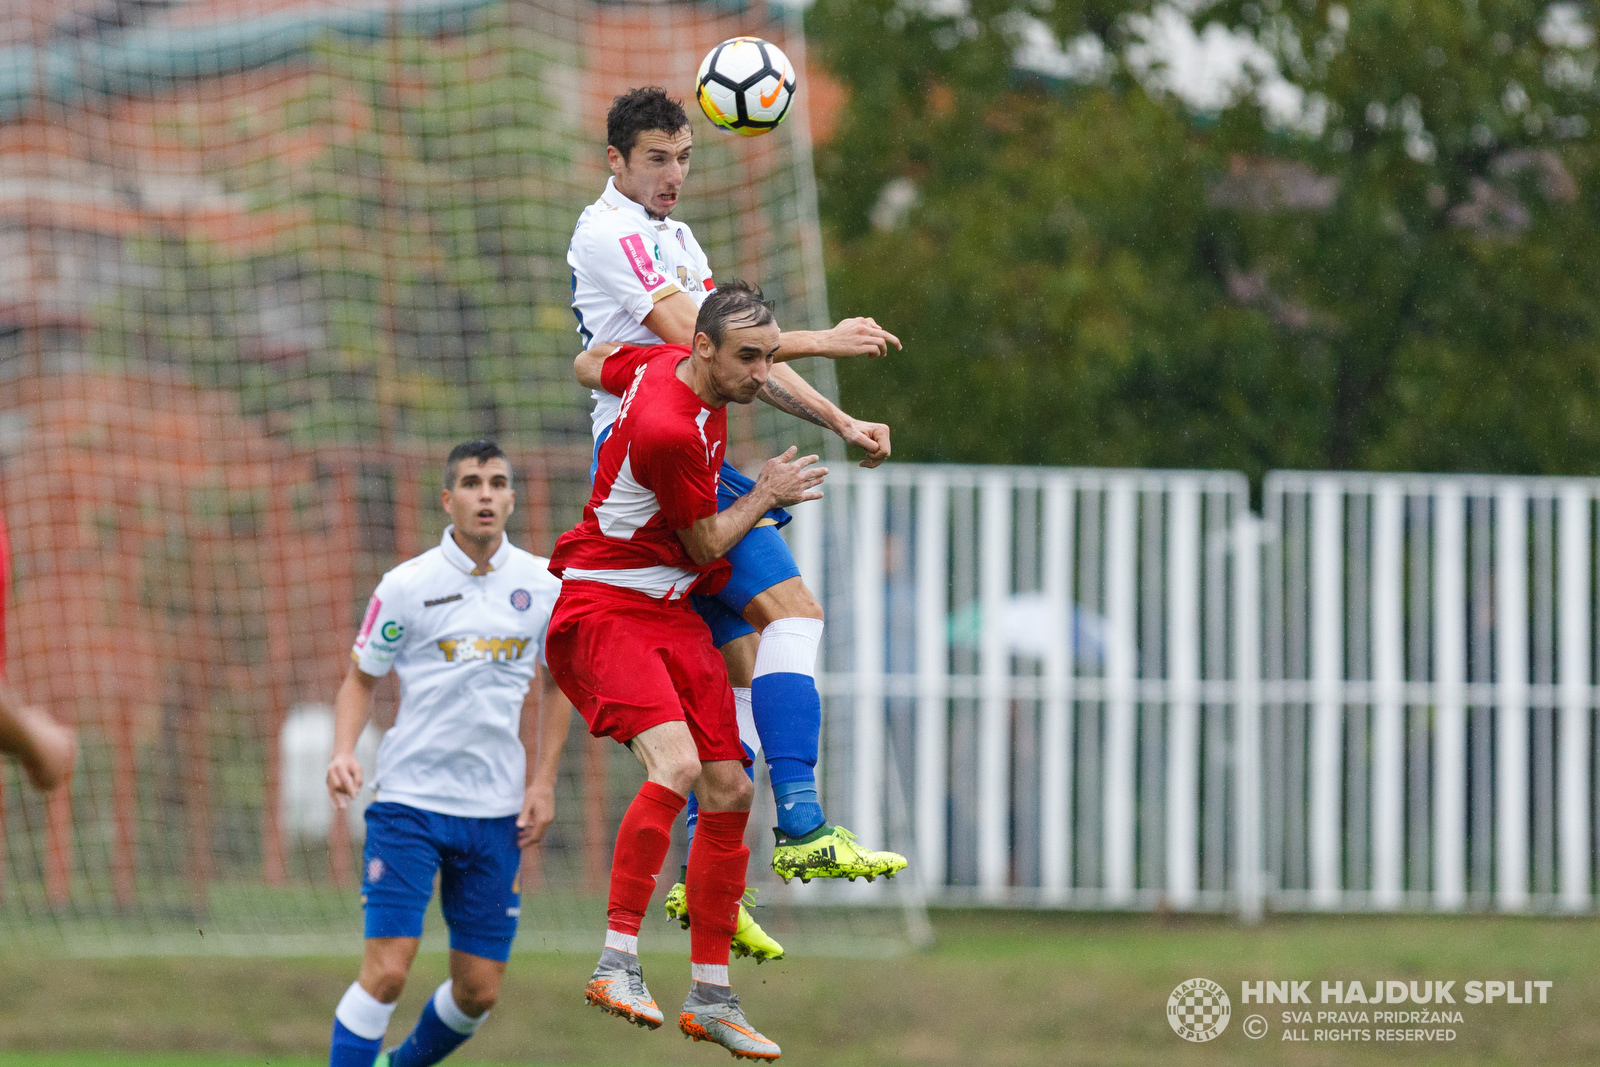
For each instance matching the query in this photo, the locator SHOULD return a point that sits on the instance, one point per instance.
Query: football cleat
(833, 854)
(623, 994)
(749, 940)
(725, 1025)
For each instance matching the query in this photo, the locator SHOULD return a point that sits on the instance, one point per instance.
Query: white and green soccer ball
(745, 85)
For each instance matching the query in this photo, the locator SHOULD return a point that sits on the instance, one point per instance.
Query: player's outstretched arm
(46, 748)
(589, 362)
(544, 735)
(784, 481)
(787, 391)
(351, 709)
(860, 336)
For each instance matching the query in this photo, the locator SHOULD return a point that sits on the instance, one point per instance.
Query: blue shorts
(760, 560)
(480, 885)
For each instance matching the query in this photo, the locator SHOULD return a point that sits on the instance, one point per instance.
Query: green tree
(1091, 273)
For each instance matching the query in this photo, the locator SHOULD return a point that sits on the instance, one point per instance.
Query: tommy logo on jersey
(642, 262)
(465, 649)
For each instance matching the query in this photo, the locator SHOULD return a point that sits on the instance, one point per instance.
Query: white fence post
(1055, 771)
(933, 654)
(1511, 665)
(868, 565)
(1248, 828)
(1450, 722)
(994, 707)
(1183, 676)
(1119, 776)
(1327, 676)
(1388, 733)
(1573, 638)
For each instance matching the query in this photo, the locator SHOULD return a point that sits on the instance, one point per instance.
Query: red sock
(642, 843)
(717, 862)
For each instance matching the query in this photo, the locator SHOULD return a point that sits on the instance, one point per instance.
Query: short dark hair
(733, 303)
(482, 450)
(638, 110)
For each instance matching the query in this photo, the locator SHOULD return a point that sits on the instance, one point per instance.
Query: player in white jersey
(465, 778)
(639, 276)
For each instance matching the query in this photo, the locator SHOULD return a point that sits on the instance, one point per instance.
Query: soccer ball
(745, 85)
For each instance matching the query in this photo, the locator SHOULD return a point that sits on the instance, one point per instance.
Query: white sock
(747, 719)
(444, 1003)
(710, 973)
(362, 1013)
(628, 943)
(789, 646)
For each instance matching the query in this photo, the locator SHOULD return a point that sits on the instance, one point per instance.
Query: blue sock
(691, 819)
(348, 1050)
(367, 1014)
(788, 714)
(435, 1037)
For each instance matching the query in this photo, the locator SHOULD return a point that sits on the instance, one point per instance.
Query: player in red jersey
(637, 660)
(46, 749)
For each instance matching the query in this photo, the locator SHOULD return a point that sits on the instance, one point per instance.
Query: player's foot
(831, 852)
(54, 748)
(382, 1060)
(725, 1025)
(749, 940)
(623, 994)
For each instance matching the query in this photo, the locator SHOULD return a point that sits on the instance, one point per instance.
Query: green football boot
(831, 852)
(749, 939)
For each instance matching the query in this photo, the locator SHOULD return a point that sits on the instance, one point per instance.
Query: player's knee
(475, 998)
(385, 980)
(728, 790)
(677, 775)
(786, 600)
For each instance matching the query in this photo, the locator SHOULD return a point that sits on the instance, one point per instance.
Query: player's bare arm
(590, 361)
(545, 720)
(46, 749)
(351, 709)
(673, 320)
(784, 481)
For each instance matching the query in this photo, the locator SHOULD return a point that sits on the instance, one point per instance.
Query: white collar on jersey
(463, 562)
(614, 197)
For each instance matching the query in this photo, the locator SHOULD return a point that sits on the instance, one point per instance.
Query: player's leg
(718, 860)
(717, 863)
(787, 709)
(399, 861)
(736, 641)
(47, 749)
(481, 896)
(671, 766)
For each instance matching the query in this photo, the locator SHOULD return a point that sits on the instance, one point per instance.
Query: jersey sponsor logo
(392, 631)
(436, 601)
(373, 607)
(521, 599)
(642, 262)
(687, 282)
(466, 649)
(374, 869)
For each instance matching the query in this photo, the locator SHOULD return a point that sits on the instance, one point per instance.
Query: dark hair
(482, 450)
(638, 110)
(733, 303)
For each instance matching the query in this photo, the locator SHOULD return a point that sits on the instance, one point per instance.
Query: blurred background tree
(1357, 260)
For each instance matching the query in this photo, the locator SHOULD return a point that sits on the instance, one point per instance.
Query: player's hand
(873, 437)
(538, 811)
(788, 481)
(344, 780)
(859, 337)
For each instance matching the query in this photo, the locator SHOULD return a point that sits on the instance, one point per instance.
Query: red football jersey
(657, 474)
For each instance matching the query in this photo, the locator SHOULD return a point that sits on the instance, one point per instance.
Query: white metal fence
(1110, 688)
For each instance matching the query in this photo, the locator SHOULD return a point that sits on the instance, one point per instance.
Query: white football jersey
(465, 647)
(623, 261)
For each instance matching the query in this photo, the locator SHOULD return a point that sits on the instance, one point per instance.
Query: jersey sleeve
(383, 628)
(625, 263)
(675, 467)
(546, 588)
(617, 372)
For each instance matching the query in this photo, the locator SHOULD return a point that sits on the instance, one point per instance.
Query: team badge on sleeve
(521, 599)
(373, 607)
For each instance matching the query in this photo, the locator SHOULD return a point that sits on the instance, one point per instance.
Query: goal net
(265, 262)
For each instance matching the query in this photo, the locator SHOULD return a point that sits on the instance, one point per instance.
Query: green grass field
(999, 988)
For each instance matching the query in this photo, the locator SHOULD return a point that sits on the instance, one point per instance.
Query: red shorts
(629, 662)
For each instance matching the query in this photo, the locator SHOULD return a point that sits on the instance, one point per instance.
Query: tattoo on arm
(783, 400)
